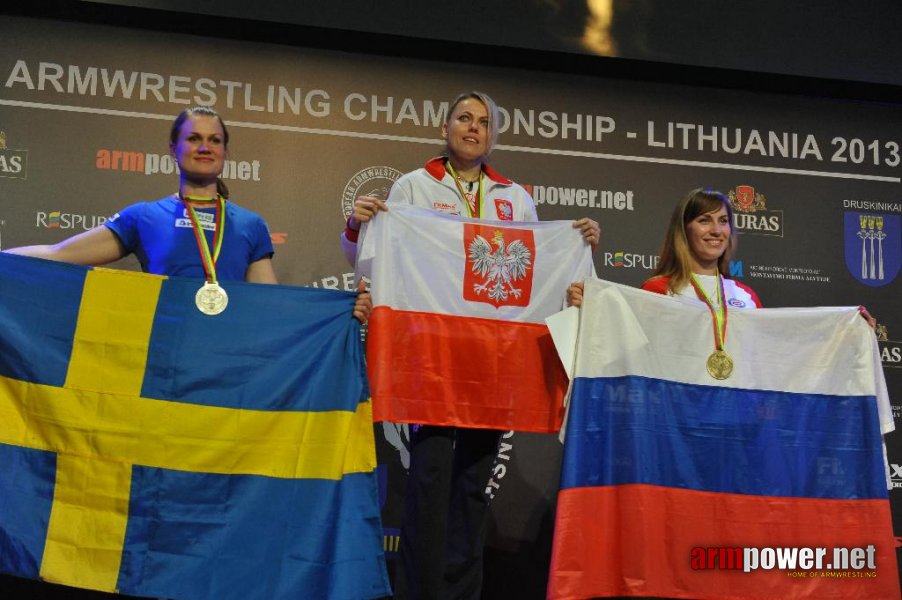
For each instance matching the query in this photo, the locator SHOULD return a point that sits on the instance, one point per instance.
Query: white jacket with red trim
(433, 187)
(738, 294)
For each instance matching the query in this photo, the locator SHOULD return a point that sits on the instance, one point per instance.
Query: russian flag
(667, 469)
(457, 335)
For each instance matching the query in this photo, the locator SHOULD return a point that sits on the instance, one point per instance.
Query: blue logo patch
(873, 246)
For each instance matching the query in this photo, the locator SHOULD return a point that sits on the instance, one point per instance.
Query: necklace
(719, 363)
(470, 184)
(211, 298)
(474, 208)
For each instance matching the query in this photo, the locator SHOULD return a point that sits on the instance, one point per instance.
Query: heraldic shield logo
(499, 265)
(873, 247)
(744, 199)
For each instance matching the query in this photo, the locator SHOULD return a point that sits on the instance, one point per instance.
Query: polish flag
(457, 335)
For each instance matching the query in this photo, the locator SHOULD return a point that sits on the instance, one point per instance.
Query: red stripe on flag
(637, 540)
(447, 370)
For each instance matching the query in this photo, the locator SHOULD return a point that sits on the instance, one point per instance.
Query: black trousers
(445, 513)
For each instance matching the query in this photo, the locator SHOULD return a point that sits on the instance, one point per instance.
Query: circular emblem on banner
(371, 181)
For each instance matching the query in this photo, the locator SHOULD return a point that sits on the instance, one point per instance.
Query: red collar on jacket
(436, 168)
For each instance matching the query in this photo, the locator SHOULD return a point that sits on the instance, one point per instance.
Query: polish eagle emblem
(500, 268)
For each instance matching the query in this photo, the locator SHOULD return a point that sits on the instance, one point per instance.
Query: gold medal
(211, 299)
(719, 364)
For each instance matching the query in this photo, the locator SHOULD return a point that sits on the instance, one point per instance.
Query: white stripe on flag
(422, 263)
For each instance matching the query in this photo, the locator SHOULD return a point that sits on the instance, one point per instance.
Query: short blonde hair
(490, 107)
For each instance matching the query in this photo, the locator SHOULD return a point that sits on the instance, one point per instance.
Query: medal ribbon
(479, 195)
(208, 261)
(718, 309)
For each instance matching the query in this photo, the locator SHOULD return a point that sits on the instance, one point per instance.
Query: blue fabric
(161, 237)
(39, 302)
(197, 535)
(269, 351)
(26, 492)
(632, 429)
(274, 538)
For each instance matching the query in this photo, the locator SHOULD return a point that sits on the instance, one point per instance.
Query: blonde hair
(676, 254)
(490, 107)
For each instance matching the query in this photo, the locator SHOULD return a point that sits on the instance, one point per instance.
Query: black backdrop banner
(831, 38)
(815, 184)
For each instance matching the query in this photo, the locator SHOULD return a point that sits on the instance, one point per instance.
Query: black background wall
(325, 102)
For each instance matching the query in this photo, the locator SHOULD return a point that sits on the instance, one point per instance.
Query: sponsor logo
(873, 247)
(206, 220)
(890, 350)
(278, 239)
(895, 475)
(788, 273)
(736, 302)
(504, 210)
(499, 263)
(736, 269)
(13, 163)
(61, 220)
(750, 213)
(629, 260)
(148, 163)
(370, 181)
(445, 207)
(800, 561)
(581, 197)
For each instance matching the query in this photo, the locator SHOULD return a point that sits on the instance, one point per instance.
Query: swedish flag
(149, 449)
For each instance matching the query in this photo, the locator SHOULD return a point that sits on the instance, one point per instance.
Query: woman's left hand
(364, 305)
(872, 322)
(590, 230)
(575, 293)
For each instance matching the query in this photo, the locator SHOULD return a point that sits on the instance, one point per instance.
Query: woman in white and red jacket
(699, 242)
(445, 506)
(695, 255)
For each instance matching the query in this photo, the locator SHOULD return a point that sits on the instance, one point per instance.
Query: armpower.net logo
(796, 561)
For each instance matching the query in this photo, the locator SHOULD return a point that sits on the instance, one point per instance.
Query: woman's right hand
(365, 208)
(575, 294)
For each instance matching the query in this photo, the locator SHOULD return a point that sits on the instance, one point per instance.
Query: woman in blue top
(165, 235)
